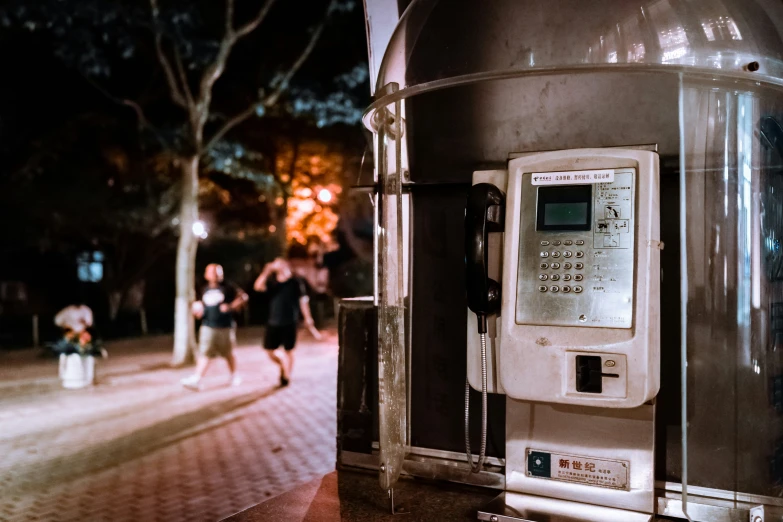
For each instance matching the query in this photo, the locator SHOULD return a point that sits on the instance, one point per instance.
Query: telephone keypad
(554, 254)
(572, 258)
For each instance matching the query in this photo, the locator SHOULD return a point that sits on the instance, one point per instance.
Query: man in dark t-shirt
(218, 301)
(288, 302)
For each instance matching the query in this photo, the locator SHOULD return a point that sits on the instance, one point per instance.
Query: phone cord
(482, 453)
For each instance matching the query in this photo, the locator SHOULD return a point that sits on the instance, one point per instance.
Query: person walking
(287, 304)
(217, 336)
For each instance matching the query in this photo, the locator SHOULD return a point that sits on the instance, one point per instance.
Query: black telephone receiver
(484, 213)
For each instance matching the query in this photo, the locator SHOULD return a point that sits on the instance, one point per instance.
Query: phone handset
(484, 213)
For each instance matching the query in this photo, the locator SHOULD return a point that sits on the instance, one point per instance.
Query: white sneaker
(236, 380)
(192, 382)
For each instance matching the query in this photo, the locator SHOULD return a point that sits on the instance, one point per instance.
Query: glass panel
(731, 224)
(392, 382)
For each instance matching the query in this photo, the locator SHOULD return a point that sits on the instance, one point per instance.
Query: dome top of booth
(442, 43)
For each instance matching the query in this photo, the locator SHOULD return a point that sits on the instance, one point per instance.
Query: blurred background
(110, 111)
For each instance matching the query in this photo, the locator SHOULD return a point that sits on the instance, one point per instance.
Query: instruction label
(588, 471)
(573, 177)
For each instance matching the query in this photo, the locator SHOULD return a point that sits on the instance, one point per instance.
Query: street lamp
(200, 229)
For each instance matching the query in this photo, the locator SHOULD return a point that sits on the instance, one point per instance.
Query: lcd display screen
(558, 214)
(564, 208)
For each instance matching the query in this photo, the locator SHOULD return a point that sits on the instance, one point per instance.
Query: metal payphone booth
(579, 209)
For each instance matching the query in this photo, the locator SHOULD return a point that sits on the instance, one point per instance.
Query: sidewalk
(140, 447)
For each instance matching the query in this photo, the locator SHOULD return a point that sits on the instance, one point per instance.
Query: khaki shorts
(216, 342)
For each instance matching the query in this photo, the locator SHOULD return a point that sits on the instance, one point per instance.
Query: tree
(192, 52)
(198, 105)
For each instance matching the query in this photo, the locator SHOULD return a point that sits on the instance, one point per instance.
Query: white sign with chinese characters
(589, 471)
(574, 177)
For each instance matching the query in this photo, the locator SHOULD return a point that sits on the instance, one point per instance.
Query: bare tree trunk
(184, 333)
(115, 299)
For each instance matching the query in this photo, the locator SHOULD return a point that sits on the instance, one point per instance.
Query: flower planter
(77, 371)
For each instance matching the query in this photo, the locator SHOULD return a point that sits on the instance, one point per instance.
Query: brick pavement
(140, 447)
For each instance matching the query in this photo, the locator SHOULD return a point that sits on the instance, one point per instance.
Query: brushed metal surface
(601, 293)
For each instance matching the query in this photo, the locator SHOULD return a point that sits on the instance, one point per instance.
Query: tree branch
(183, 78)
(255, 22)
(229, 16)
(142, 119)
(176, 96)
(272, 99)
(230, 124)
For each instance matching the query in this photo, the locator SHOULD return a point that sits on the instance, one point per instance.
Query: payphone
(573, 321)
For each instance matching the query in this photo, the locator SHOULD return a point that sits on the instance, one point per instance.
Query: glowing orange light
(324, 195)
(307, 205)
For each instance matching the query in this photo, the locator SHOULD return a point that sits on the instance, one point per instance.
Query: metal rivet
(610, 363)
(582, 318)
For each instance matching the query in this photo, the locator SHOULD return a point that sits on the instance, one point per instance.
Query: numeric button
(580, 242)
(579, 266)
(580, 254)
(578, 277)
(567, 266)
(543, 277)
(542, 288)
(544, 254)
(544, 266)
(555, 265)
(545, 243)
(578, 289)
(567, 254)
(554, 289)
(567, 277)
(555, 277)
(556, 243)
(566, 289)
(568, 242)
(555, 254)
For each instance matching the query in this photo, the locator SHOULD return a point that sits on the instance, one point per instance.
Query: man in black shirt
(288, 299)
(217, 303)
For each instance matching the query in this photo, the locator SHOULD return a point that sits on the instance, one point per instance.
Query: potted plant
(77, 359)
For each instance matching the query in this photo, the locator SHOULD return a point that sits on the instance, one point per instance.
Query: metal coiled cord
(482, 453)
